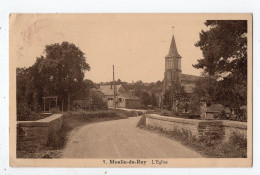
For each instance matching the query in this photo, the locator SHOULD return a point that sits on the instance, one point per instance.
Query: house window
(110, 98)
(120, 99)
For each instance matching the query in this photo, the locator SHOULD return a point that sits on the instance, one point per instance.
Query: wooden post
(56, 99)
(68, 101)
(49, 105)
(44, 104)
(114, 88)
(62, 105)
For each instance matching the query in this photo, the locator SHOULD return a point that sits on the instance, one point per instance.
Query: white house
(123, 98)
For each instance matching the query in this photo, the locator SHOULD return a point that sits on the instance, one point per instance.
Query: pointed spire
(173, 49)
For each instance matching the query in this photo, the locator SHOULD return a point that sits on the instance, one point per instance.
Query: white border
(120, 6)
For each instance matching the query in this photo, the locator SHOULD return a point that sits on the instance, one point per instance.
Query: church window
(179, 64)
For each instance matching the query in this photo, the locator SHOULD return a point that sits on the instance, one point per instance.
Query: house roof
(95, 90)
(173, 49)
(85, 93)
(109, 89)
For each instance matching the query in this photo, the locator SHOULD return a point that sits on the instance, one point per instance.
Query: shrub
(189, 116)
(242, 115)
(222, 115)
(167, 113)
(23, 111)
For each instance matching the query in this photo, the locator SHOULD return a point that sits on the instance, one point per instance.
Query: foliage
(59, 73)
(144, 97)
(167, 100)
(153, 100)
(175, 98)
(222, 115)
(224, 49)
(23, 111)
(97, 103)
(63, 68)
(205, 90)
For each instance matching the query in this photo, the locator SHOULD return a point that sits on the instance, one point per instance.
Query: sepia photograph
(130, 90)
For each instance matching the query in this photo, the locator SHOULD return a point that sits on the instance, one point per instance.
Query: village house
(123, 97)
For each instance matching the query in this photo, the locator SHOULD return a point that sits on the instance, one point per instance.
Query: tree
(224, 48)
(224, 62)
(63, 68)
(22, 79)
(23, 107)
(167, 100)
(144, 97)
(60, 72)
(175, 97)
(153, 100)
(97, 103)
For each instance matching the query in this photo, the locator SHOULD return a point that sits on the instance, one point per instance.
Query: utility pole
(114, 88)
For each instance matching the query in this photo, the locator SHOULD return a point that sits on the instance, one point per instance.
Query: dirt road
(122, 139)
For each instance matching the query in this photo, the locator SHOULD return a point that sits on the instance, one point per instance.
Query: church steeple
(172, 66)
(173, 49)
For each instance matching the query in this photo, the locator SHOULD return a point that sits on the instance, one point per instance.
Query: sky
(135, 43)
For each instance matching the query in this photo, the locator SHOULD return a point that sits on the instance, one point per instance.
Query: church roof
(173, 49)
(189, 82)
(191, 78)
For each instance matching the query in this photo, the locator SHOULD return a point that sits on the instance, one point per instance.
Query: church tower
(172, 66)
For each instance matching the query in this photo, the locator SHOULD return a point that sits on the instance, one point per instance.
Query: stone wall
(171, 124)
(230, 127)
(35, 134)
(197, 128)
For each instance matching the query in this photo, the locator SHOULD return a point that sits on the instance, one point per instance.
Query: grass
(235, 147)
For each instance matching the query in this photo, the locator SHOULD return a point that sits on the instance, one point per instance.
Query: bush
(221, 116)
(23, 111)
(189, 116)
(242, 115)
(167, 113)
(131, 113)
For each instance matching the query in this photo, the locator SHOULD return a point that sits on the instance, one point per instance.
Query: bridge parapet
(33, 135)
(197, 128)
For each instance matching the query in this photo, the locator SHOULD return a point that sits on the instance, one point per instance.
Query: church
(173, 72)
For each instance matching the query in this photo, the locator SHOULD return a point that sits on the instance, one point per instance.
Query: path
(122, 139)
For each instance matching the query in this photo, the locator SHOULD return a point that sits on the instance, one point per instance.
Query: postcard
(130, 90)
